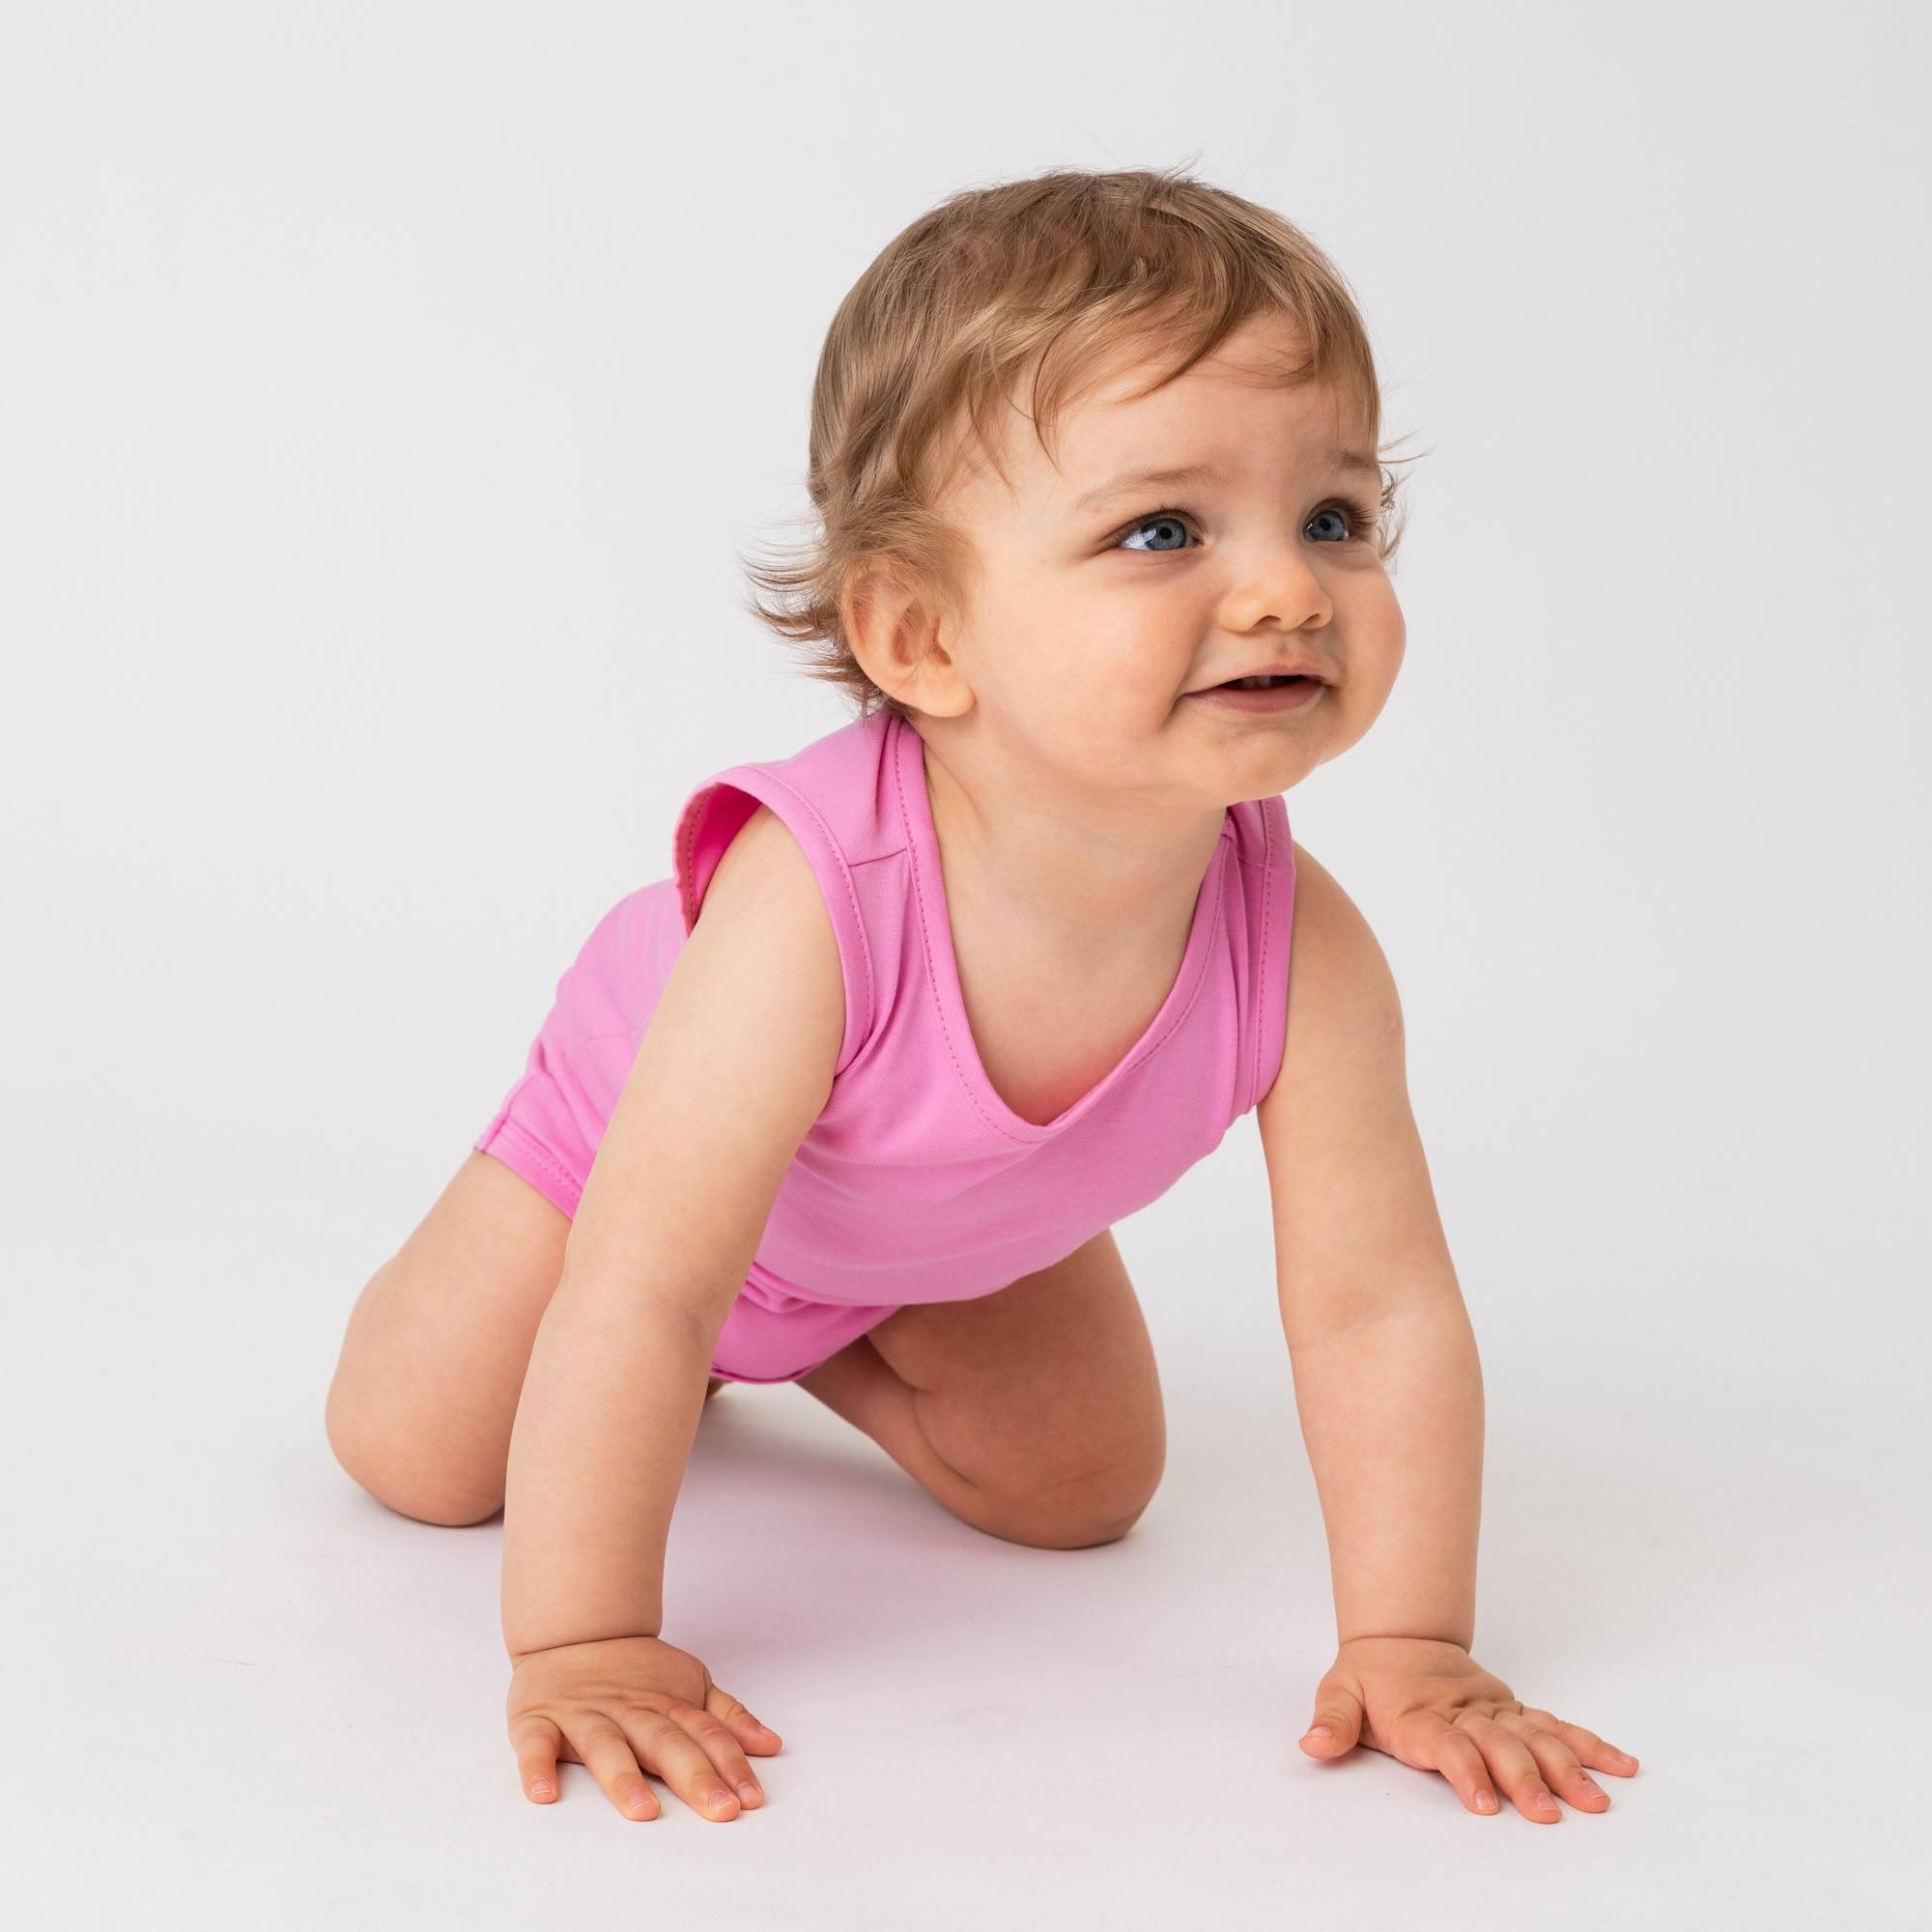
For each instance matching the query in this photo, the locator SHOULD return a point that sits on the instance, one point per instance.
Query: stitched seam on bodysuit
(532, 1148)
(687, 839)
(1261, 970)
(1277, 877)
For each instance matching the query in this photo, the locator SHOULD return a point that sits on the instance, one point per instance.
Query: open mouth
(1263, 694)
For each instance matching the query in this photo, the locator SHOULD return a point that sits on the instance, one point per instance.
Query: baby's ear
(892, 630)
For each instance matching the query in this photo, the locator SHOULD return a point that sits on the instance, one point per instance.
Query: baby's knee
(399, 1478)
(1076, 1516)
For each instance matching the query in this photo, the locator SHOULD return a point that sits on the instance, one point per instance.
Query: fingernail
(1322, 1731)
(1485, 1800)
(541, 1787)
(749, 1793)
(722, 1801)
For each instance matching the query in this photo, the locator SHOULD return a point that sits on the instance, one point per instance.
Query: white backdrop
(385, 391)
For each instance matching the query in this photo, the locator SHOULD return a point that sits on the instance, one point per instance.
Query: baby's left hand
(1432, 1705)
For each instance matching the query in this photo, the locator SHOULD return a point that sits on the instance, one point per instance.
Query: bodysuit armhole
(1275, 917)
(713, 817)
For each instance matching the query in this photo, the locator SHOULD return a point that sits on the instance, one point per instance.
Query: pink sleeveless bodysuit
(917, 1183)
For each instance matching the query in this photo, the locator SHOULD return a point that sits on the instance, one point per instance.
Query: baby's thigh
(432, 1367)
(1045, 1394)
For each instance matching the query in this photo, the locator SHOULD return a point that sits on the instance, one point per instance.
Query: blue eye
(1172, 519)
(1348, 522)
(1342, 513)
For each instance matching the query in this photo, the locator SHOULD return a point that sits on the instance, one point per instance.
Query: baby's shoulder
(1343, 1006)
(762, 957)
(763, 858)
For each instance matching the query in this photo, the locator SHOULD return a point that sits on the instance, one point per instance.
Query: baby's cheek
(1133, 708)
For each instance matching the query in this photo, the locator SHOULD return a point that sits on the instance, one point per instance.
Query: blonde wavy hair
(1071, 268)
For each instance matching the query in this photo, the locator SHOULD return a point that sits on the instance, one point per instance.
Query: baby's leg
(432, 1367)
(432, 1364)
(1034, 1413)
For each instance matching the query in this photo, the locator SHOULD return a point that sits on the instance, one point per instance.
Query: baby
(853, 1098)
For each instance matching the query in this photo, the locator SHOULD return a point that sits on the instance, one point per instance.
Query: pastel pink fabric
(917, 1183)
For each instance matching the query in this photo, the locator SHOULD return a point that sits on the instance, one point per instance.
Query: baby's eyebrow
(1354, 460)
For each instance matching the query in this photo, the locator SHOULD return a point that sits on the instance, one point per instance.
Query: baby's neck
(1055, 876)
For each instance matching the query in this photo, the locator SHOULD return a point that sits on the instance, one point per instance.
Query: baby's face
(1103, 605)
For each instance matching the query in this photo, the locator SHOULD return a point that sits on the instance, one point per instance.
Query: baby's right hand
(628, 1701)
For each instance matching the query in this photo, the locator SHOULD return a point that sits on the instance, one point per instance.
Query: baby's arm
(734, 1067)
(1390, 1388)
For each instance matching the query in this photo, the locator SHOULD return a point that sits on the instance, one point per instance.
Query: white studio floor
(246, 1695)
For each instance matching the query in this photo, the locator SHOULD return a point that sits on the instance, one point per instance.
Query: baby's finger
(745, 1727)
(605, 1750)
(1455, 1755)
(723, 1748)
(1557, 1763)
(536, 1742)
(1515, 1770)
(681, 1761)
(1589, 1747)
